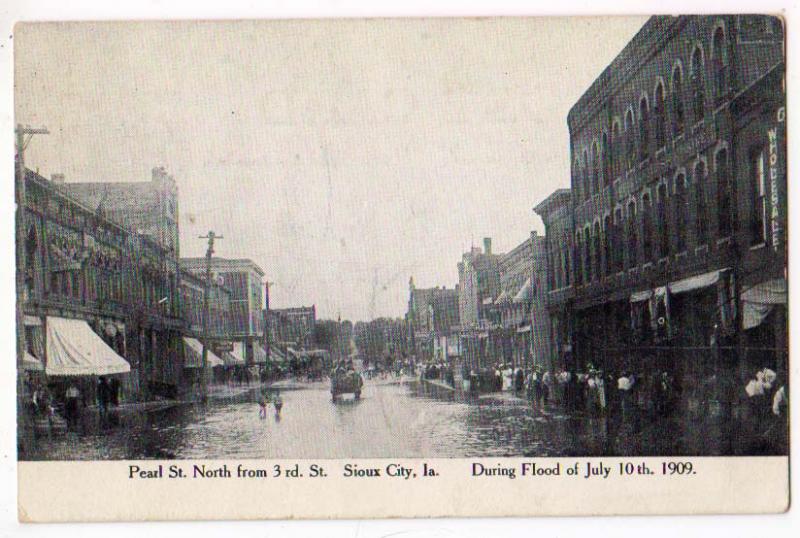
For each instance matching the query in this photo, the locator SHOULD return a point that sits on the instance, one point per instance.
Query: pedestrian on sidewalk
(71, 404)
(103, 396)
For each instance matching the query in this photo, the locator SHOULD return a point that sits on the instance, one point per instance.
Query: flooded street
(393, 418)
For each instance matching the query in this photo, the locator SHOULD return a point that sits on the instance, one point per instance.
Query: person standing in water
(277, 401)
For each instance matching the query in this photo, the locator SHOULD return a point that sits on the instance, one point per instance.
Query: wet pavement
(394, 418)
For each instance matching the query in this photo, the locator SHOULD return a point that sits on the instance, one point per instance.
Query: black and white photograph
(513, 237)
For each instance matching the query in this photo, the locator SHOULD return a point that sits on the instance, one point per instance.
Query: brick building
(292, 326)
(89, 274)
(556, 214)
(243, 278)
(678, 199)
(431, 319)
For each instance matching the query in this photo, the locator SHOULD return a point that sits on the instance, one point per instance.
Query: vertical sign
(774, 179)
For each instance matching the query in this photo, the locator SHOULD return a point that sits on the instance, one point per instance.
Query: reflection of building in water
(90, 269)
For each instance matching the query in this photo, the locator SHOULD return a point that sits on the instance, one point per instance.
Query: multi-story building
(89, 276)
(678, 199)
(292, 326)
(431, 318)
(556, 214)
(478, 287)
(244, 280)
(514, 303)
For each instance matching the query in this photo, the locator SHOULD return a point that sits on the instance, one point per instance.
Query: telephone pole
(206, 311)
(26, 433)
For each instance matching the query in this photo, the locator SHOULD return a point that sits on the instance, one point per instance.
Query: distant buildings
(431, 318)
(292, 326)
(478, 286)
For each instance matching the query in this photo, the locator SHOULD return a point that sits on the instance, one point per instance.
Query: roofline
(545, 205)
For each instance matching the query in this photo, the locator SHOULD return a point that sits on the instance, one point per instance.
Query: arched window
(597, 270)
(605, 155)
(576, 259)
(616, 146)
(701, 219)
(633, 243)
(585, 187)
(647, 228)
(663, 222)
(698, 85)
(576, 176)
(595, 169)
(681, 208)
(644, 135)
(661, 116)
(608, 239)
(587, 253)
(677, 101)
(720, 62)
(724, 195)
(630, 140)
(616, 240)
(565, 261)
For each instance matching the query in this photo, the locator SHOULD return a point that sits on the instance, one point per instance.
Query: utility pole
(206, 311)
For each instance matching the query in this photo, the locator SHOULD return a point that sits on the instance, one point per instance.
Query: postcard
(372, 268)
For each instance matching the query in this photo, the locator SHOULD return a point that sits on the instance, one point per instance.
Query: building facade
(292, 326)
(431, 318)
(85, 267)
(243, 278)
(556, 214)
(678, 199)
(514, 304)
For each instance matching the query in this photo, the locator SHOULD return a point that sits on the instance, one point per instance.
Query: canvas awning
(758, 301)
(259, 355)
(31, 363)
(639, 296)
(194, 354)
(524, 329)
(487, 300)
(524, 294)
(32, 321)
(502, 298)
(695, 283)
(73, 348)
(235, 357)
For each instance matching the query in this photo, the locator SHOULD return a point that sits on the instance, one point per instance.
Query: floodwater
(393, 418)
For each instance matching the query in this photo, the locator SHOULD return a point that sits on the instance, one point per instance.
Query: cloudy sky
(341, 156)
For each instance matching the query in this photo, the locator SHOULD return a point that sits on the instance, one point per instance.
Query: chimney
(57, 178)
(487, 245)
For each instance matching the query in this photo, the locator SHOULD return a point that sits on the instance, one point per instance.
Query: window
(647, 227)
(595, 169)
(565, 261)
(720, 61)
(677, 101)
(701, 223)
(576, 176)
(616, 238)
(629, 140)
(661, 116)
(698, 91)
(633, 244)
(724, 204)
(605, 154)
(614, 154)
(644, 135)
(758, 222)
(597, 269)
(607, 243)
(680, 207)
(587, 253)
(663, 222)
(577, 263)
(585, 187)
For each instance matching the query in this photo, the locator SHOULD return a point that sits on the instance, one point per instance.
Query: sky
(342, 156)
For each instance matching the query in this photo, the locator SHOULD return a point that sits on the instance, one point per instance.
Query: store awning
(31, 363)
(639, 296)
(73, 348)
(235, 357)
(194, 355)
(758, 301)
(524, 329)
(502, 298)
(487, 300)
(695, 283)
(32, 321)
(259, 355)
(524, 294)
